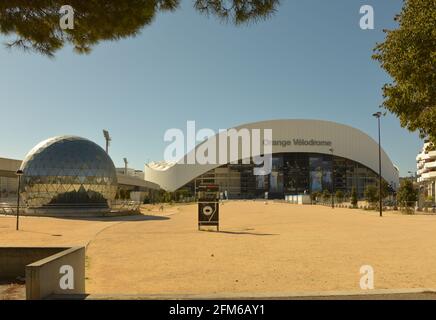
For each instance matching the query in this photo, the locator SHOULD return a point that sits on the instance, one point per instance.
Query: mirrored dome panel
(68, 171)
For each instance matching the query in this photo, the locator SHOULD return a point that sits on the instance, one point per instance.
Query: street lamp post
(19, 173)
(195, 189)
(378, 116)
(333, 179)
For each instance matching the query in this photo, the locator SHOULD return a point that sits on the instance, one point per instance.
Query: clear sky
(310, 60)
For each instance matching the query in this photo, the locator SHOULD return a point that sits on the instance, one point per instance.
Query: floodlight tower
(108, 139)
(125, 165)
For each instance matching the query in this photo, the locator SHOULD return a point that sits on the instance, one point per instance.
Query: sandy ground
(271, 248)
(35, 231)
(12, 291)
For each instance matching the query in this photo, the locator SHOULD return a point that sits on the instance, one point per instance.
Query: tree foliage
(384, 189)
(354, 197)
(408, 55)
(315, 195)
(237, 11)
(339, 195)
(407, 194)
(36, 26)
(326, 195)
(371, 194)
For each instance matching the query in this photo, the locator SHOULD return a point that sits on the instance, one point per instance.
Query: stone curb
(369, 294)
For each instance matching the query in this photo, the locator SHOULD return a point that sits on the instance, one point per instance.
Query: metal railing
(10, 208)
(126, 205)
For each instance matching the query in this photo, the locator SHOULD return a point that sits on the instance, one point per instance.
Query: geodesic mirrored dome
(68, 170)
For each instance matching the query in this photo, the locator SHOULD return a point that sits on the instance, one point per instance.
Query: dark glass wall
(292, 173)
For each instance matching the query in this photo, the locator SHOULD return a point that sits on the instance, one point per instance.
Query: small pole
(195, 189)
(379, 170)
(333, 179)
(378, 115)
(19, 173)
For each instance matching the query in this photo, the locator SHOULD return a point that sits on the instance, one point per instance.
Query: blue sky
(310, 60)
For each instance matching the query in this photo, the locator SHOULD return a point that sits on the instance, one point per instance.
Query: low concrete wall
(13, 260)
(60, 274)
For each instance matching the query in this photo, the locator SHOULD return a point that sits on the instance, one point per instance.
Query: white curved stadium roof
(346, 142)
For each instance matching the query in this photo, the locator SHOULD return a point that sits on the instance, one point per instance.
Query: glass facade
(292, 173)
(68, 170)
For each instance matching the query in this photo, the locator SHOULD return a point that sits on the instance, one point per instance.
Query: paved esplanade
(276, 248)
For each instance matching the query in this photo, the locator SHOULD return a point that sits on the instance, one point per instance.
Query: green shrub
(407, 196)
(354, 197)
(371, 195)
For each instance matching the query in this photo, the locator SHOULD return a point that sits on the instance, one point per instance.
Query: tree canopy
(408, 55)
(36, 23)
(407, 194)
(371, 194)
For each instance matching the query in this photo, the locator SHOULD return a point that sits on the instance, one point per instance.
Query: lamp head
(377, 114)
(106, 135)
(19, 172)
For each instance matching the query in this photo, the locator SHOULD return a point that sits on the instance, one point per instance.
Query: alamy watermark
(66, 282)
(367, 20)
(67, 19)
(228, 146)
(367, 277)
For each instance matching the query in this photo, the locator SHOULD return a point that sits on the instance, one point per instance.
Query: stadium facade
(307, 156)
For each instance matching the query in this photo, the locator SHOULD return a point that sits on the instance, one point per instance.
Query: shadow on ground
(135, 217)
(248, 233)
